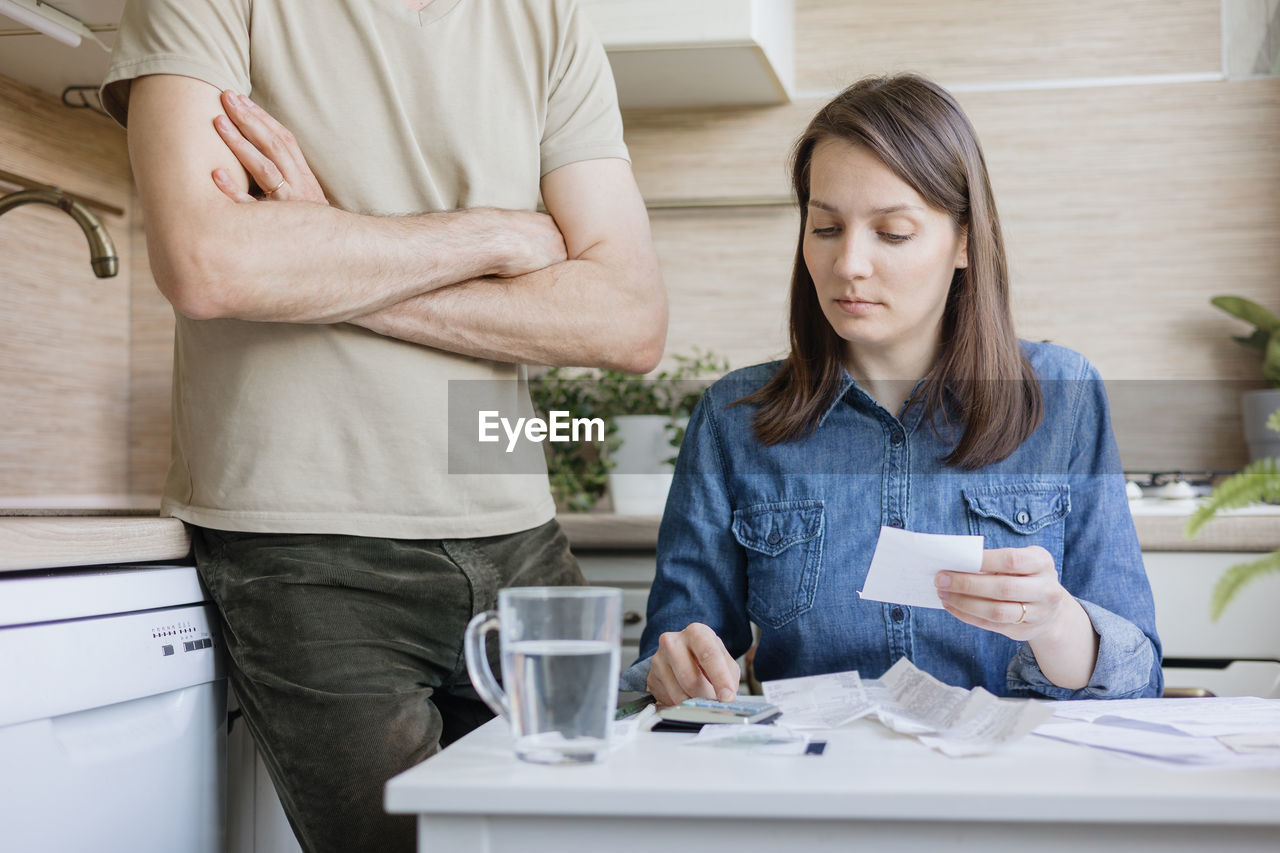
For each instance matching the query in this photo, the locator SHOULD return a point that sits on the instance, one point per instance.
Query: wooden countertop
(49, 542)
(46, 541)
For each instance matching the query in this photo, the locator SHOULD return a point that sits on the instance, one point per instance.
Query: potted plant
(644, 424)
(1258, 481)
(1257, 405)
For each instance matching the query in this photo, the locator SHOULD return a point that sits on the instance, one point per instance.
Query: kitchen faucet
(102, 252)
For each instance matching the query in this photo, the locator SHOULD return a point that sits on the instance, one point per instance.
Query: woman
(906, 401)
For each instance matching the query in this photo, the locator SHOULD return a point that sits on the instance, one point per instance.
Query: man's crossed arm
(578, 287)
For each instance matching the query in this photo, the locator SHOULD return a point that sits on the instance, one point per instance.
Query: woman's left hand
(1016, 593)
(269, 153)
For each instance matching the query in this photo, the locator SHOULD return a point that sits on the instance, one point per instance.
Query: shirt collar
(851, 391)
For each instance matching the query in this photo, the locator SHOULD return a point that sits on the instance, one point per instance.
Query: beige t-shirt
(467, 103)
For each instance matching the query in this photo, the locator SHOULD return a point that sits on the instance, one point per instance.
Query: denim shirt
(782, 537)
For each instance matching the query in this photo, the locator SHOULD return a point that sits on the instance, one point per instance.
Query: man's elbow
(196, 278)
(646, 339)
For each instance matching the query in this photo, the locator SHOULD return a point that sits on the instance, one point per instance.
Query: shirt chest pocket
(783, 543)
(1017, 516)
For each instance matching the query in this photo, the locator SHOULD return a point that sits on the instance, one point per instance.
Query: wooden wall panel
(63, 333)
(728, 152)
(150, 371)
(1127, 207)
(728, 276)
(1001, 41)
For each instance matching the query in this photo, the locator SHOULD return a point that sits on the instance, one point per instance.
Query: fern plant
(1258, 481)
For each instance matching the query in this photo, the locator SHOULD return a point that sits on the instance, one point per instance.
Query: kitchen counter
(1159, 525)
(50, 542)
(46, 541)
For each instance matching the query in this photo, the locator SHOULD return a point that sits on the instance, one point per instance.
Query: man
(315, 344)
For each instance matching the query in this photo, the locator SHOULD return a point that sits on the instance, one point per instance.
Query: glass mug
(560, 650)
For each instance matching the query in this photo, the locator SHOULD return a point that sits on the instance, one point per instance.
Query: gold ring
(273, 189)
(1024, 613)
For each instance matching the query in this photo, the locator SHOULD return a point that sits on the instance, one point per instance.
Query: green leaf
(1258, 481)
(1271, 363)
(1237, 576)
(1256, 341)
(1249, 311)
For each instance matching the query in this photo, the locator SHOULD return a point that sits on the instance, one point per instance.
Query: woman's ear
(962, 251)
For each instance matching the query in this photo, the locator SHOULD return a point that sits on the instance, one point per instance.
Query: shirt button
(895, 522)
(1023, 516)
(896, 438)
(897, 614)
(774, 537)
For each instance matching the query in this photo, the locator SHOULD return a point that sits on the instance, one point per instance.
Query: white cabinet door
(1182, 584)
(632, 572)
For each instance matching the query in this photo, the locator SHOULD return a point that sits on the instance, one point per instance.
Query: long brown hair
(919, 132)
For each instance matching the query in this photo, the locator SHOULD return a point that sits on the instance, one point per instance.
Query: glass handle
(478, 663)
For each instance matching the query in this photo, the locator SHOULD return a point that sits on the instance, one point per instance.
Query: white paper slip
(819, 701)
(1253, 744)
(771, 739)
(905, 563)
(1208, 717)
(1171, 749)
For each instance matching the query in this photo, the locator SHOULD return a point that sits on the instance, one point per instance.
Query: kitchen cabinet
(674, 54)
(1248, 631)
(632, 572)
(49, 65)
(256, 822)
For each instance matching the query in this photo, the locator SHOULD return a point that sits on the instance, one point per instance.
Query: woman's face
(881, 259)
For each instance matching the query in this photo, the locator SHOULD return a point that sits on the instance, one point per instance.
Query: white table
(872, 790)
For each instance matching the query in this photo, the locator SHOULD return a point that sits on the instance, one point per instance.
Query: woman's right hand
(692, 663)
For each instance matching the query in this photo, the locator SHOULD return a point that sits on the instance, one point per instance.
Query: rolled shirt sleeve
(1102, 565)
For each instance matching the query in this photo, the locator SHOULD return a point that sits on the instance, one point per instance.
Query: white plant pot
(1255, 408)
(640, 478)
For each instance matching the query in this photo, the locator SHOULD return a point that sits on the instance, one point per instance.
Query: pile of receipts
(1241, 732)
(950, 719)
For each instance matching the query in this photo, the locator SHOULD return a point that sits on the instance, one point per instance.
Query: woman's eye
(824, 232)
(895, 238)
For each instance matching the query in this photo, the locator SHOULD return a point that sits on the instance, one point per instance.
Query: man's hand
(270, 154)
(692, 663)
(267, 150)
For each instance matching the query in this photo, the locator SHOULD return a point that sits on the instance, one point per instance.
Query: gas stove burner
(1170, 485)
(1161, 478)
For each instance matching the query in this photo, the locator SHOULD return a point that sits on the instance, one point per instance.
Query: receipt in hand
(905, 563)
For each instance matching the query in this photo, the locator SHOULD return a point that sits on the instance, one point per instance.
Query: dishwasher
(112, 712)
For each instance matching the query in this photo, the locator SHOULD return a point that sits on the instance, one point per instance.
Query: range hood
(674, 54)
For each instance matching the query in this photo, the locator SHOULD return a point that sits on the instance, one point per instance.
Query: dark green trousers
(346, 656)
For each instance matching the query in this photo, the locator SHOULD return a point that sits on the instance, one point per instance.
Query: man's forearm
(307, 263)
(295, 261)
(580, 313)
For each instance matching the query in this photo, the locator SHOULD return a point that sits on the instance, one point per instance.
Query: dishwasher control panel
(57, 668)
(182, 637)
